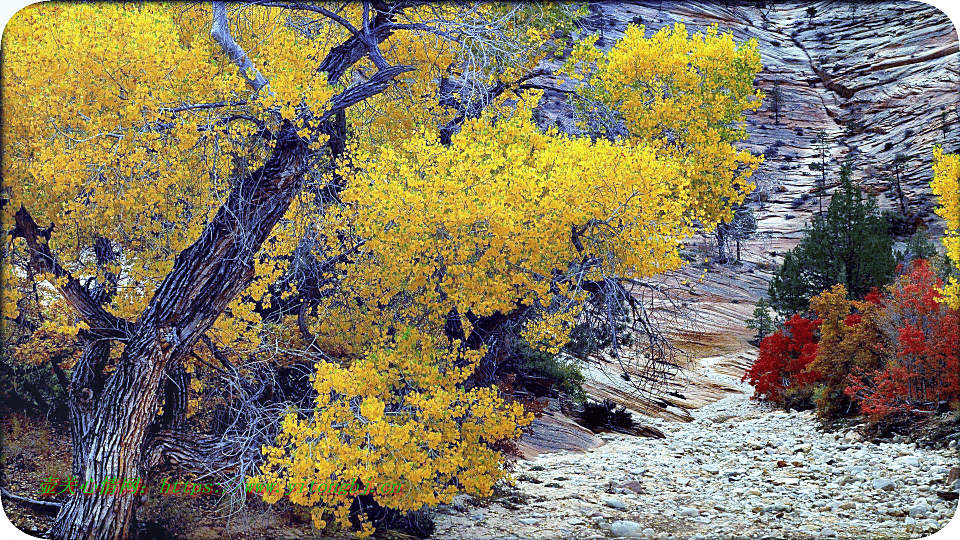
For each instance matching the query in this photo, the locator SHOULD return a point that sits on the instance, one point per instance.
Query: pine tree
(762, 322)
(847, 245)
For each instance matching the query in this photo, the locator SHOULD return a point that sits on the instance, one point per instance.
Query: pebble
(884, 484)
(615, 503)
(919, 510)
(689, 512)
(625, 528)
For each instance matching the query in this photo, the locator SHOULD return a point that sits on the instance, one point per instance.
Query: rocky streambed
(738, 470)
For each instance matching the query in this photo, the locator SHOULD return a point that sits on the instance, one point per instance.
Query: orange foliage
(850, 337)
(925, 370)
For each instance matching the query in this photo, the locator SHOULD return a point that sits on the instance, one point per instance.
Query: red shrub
(926, 368)
(783, 359)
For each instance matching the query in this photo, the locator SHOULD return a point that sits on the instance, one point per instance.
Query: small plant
(918, 247)
(606, 414)
(811, 13)
(562, 371)
(743, 226)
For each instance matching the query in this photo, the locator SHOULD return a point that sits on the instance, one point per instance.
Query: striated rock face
(553, 431)
(878, 79)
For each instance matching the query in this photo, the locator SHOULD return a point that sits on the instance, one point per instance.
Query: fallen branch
(44, 504)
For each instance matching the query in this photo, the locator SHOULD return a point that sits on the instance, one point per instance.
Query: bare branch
(220, 32)
(44, 504)
(196, 106)
(316, 9)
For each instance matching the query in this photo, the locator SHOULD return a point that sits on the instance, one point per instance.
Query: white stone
(686, 511)
(919, 510)
(615, 503)
(624, 528)
(909, 461)
(884, 484)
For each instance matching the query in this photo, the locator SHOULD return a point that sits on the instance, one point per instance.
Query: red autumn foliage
(925, 369)
(851, 337)
(783, 359)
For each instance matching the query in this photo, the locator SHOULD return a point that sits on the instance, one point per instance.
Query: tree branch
(220, 32)
(359, 92)
(207, 275)
(183, 452)
(45, 504)
(101, 322)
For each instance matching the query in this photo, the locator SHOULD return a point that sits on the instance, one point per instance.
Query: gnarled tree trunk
(205, 278)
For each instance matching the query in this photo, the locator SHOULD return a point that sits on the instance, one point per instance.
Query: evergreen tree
(762, 322)
(776, 101)
(848, 245)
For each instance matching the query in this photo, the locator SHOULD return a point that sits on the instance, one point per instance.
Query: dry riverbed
(739, 470)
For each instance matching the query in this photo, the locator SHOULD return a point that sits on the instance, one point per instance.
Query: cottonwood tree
(147, 138)
(946, 186)
(370, 196)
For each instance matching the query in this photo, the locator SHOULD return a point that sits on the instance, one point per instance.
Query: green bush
(563, 371)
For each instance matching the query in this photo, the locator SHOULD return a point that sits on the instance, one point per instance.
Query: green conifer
(849, 244)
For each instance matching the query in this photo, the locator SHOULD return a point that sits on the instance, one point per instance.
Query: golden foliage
(685, 96)
(946, 186)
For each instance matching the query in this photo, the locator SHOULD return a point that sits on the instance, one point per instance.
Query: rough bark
(204, 279)
(86, 382)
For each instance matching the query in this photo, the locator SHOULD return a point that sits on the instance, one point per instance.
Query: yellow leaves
(372, 409)
(551, 331)
(684, 95)
(433, 232)
(946, 186)
(400, 419)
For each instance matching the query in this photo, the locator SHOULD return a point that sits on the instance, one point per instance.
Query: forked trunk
(106, 495)
(112, 425)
